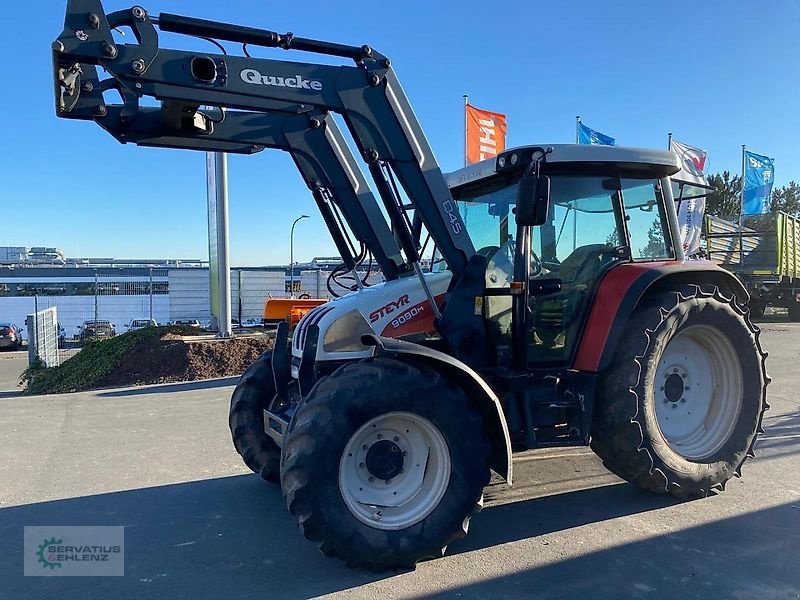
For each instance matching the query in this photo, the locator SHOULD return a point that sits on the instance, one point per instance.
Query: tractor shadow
(751, 555)
(781, 436)
(232, 538)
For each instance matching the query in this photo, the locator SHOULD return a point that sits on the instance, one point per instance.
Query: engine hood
(394, 309)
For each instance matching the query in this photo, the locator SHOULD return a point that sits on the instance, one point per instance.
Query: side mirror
(533, 200)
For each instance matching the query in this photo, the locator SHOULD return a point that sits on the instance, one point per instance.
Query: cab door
(594, 224)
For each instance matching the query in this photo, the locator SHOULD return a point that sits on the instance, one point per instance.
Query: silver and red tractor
(558, 309)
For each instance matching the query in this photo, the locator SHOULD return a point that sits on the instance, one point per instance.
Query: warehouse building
(120, 290)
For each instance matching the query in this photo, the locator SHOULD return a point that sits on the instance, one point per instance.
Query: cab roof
(647, 161)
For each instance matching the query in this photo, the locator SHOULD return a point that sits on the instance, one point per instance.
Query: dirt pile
(154, 355)
(172, 359)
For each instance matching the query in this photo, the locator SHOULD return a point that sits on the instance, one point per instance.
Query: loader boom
(368, 96)
(313, 140)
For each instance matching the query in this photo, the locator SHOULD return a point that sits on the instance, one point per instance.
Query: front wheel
(253, 394)
(681, 406)
(384, 464)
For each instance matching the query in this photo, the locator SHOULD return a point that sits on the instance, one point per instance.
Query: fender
(619, 292)
(471, 382)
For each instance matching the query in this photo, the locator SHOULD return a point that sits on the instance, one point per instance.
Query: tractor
(558, 308)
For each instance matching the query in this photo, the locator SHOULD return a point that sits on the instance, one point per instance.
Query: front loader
(559, 309)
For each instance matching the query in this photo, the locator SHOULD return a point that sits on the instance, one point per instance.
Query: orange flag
(486, 134)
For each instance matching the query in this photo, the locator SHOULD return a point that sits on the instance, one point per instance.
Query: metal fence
(43, 344)
(82, 295)
(114, 299)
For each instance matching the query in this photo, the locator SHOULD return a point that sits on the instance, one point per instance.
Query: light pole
(291, 255)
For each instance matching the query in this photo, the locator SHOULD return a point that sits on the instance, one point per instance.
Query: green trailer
(764, 252)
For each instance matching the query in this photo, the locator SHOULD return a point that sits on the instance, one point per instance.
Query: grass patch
(94, 362)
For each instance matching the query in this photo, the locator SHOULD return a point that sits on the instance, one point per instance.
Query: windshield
(586, 210)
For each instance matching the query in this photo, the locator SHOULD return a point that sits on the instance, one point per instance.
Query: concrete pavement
(158, 460)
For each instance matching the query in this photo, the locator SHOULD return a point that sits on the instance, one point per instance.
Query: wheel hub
(674, 386)
(699, 393)
(384, 460)
(394, 470)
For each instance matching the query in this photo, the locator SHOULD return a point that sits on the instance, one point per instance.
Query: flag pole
(466, 128)
(577, 123)
(741, 206)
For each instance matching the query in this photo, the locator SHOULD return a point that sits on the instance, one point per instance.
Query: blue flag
(587, 135)
(759, 175)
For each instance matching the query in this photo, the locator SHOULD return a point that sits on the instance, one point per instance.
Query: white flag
(690, 223)
(690, 194)
(693, 161)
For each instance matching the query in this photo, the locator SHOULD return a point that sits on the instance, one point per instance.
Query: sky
(717, 74)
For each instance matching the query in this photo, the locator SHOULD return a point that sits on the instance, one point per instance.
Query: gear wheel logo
(40, 553)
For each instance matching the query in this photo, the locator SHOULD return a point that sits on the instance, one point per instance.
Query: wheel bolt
(405, 453)
(388, 481)
(365, 447)
(683, 400)
(371, 479)
(666, 401)
(662, 388)
(674, 406)
(396, 439)
(380, 436)
(360, 465)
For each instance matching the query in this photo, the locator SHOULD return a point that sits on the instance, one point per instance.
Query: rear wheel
(682, 404)
(254, 392)
(384, 464)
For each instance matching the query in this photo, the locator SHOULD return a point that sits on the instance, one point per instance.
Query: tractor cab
(606, 206)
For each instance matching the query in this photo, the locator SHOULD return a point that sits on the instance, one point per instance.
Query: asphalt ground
(198, 524)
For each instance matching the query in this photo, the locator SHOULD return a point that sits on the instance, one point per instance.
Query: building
(120, 290)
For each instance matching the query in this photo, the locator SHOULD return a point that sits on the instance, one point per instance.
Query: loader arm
(313, 140)
(368, 96)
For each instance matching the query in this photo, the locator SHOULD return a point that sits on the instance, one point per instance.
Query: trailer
(764, 252)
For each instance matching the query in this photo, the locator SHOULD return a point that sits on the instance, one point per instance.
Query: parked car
(10, 336)
(188, 322)
(140, 324)
(94, 330)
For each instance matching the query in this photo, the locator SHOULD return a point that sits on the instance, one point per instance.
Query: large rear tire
(681, 406)
(384, 464)
(252, 395)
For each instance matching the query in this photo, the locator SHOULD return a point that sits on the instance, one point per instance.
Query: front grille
(312, 318)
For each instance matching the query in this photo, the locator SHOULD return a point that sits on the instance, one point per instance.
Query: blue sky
(717, 74)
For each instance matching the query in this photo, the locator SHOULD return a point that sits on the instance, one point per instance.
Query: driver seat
(553, 315)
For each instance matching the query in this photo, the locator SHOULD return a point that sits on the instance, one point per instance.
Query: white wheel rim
(411, 453)
(698, 392)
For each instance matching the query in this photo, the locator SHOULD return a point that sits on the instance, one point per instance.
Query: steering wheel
(488, 251)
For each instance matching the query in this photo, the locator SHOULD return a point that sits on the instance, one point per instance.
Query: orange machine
(290, 310)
